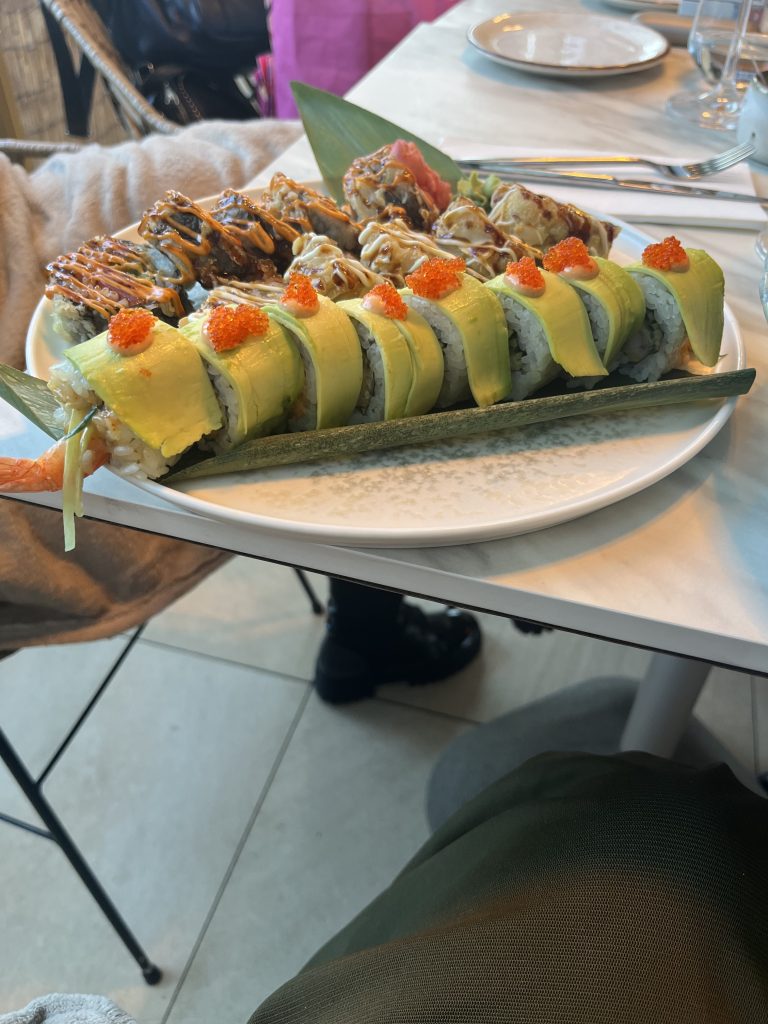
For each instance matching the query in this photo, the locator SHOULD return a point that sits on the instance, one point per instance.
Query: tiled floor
(235, 819)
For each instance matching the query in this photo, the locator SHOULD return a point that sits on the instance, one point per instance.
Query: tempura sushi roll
(549, 330)
(402, 360)
(470, 327)
(254, 366)
(149, 387)
(612, 298)
(684, 295)
(330, 351)
(542, 221)
(105, 275)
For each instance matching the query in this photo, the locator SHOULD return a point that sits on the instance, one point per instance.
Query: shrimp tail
(46, 473)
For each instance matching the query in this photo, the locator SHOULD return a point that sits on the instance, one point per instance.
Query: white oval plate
(568, 45)
(457, 492)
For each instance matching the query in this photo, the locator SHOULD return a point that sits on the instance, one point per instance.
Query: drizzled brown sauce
(106, 275)
(300, 205)
(235, 224)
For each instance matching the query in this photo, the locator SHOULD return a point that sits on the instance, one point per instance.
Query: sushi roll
(105, 275)
(684, 296)
(612, 298)
(332, 272)
(463, 229)
(548, 326)
(254, 367)
(330, 351)
(148, 385)
(309, 212)
(402, 359)
(542, 221)
(136, 396)
(470, 327)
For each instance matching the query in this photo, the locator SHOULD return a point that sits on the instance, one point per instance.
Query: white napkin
(638, 207)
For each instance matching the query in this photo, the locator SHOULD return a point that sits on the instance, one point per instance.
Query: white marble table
(680, 568)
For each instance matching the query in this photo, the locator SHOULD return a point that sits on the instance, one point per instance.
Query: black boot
(374, 637)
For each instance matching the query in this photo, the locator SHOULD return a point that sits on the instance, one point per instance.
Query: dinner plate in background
(568, 45)
(642, 5)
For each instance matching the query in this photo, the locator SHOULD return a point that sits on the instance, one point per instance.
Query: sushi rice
(661, 342)
(529, 354)
(455, 386)
(372, 400)
(128, 453)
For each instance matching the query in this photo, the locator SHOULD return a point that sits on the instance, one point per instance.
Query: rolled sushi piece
(149, 387)
(469, 325)
(613, 299)
(136, 396)
(402, 359)
(330, 353)
(254, 366)
(684, 294)
(548, 326)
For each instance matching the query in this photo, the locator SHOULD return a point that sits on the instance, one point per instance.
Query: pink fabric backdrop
(332, 43)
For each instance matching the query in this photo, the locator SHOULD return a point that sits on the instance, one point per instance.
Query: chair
(76, 22)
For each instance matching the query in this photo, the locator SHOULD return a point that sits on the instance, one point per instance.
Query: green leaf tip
(340, 132)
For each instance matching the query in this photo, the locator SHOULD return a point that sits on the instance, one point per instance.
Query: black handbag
(189, 58)
(199, 35)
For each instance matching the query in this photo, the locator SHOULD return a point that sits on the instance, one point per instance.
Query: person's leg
(375, 637)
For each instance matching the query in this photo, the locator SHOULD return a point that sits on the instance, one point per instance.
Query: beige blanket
(116, 578)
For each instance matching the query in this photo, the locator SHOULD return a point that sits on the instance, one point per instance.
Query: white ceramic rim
(568, 70)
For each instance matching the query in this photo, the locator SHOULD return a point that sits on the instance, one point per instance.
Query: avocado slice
(330, 348)
(564, 320)
(162, 394)
(622, 299)
(700, 293)
(427, 360)
(265, 373)
(395, 355)
(479, 321)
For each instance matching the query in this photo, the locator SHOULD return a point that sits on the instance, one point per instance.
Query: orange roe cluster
(129, 329)
(229, 326)
(300, 292)
(436, 278)
(526, 273)
(391, 301)
(571, 252)
(666, 255)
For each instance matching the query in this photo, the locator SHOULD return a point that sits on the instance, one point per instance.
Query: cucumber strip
(72, 481)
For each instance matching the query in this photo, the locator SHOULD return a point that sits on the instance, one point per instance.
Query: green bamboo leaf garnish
(31, 397)
(340, 131)
(338, 442)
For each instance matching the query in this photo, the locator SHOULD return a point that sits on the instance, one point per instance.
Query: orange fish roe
(436, 278)
(129, 331)
(300, 294)
(566, 255)
(526, 274)
(229, 326)
(386, 300)
(666, 255)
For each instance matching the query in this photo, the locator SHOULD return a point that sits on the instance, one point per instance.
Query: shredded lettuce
(478, 189)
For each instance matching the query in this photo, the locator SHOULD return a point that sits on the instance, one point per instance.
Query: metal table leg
(662, 707)
(56, 831)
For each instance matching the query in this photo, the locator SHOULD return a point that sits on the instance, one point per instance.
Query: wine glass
(728, 44)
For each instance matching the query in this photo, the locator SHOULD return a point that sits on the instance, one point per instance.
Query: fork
(689, 172)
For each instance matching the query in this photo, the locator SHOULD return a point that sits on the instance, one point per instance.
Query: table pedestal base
(590, 716)
(663, 704)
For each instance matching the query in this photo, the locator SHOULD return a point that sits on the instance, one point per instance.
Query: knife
(583, 180)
